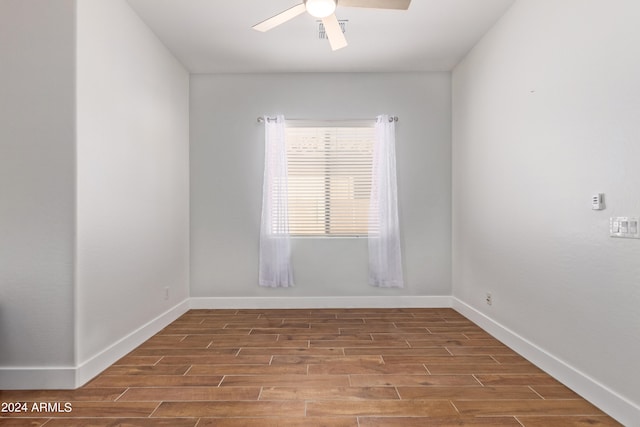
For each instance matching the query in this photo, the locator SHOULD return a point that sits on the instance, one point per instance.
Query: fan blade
(334, 32)
(280, 18)
(376, 4)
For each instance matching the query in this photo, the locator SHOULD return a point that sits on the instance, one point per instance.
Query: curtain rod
(261, 119)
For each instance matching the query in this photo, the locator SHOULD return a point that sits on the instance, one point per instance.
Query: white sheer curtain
(385, 259)
(275, 246)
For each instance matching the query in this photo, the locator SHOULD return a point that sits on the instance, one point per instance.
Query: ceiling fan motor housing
(320, 8)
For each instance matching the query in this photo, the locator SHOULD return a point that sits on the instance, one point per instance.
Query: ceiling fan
(325, 10)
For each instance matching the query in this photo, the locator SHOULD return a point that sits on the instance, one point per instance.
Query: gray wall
(227, 163)
(132, 176)
(37, 162)
(94, 188)
(542, 120)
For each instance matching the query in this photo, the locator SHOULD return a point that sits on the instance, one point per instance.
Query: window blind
(329, 179)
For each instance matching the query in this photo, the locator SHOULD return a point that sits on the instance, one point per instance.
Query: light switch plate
(625, 227)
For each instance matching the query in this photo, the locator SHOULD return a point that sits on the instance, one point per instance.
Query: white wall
(36, 184)
(545, 113)
(132, 178)
(227, 163)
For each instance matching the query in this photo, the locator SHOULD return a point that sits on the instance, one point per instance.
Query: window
(329, 178)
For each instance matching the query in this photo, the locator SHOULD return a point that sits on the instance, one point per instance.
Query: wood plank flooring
(329, 367)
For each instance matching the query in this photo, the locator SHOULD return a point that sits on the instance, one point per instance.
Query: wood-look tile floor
(328, 367)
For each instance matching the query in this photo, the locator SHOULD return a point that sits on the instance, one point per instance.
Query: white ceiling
(215, 36)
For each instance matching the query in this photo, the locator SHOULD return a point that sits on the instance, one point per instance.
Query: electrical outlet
(166, 292)
(489, 298)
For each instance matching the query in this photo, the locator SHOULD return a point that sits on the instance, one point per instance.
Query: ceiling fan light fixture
(320, 8)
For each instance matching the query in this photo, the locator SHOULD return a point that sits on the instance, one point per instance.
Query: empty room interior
(134, 141)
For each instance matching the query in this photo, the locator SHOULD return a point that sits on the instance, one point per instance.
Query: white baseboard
(40, 378)
(37, 378)
(322, 302)
(607, 400)
(98, 363)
